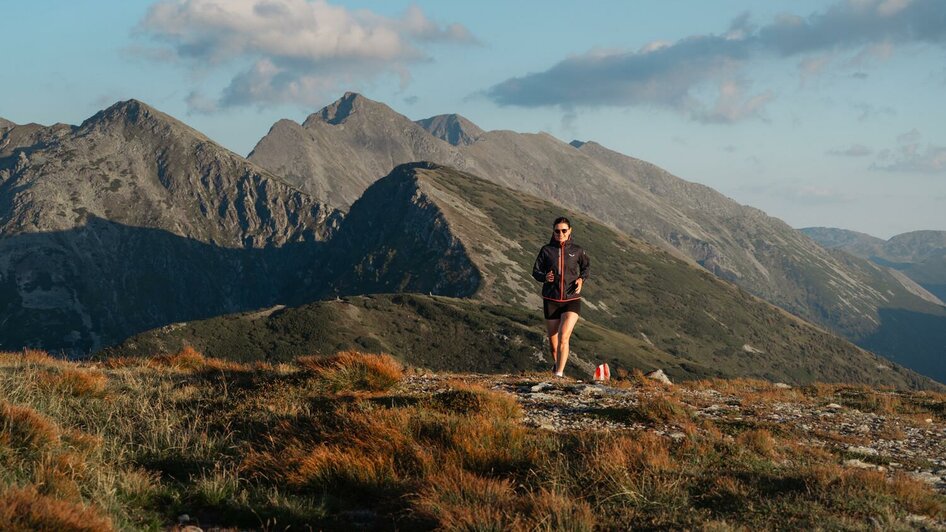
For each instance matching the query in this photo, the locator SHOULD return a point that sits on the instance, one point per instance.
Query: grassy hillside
(448, 334)
(635, 289)
(356, 442)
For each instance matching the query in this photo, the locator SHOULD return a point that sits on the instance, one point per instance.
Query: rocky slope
(132, 220)
(339, 151)
(428, 228)
(920, 255)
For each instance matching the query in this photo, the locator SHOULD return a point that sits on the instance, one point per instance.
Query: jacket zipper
(561, 269)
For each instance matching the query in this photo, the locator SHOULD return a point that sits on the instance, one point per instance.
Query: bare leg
(569, 319)
(551, 326)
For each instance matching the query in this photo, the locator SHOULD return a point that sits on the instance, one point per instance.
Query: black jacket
(565, 257)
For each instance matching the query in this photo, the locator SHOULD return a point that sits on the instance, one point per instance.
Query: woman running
(563, 267)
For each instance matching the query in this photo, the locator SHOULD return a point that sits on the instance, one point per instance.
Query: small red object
(602, 373)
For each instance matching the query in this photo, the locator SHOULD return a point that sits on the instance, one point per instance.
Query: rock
(658, 375)
(833, 406)
(927, 476)
(677, 435)
(854, 462)
(540, 387)
(783, 386)
(859, 449)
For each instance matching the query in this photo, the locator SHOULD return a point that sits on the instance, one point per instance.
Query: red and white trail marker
(603, 373)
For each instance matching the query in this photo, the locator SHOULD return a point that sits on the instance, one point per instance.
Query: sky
(821, 113)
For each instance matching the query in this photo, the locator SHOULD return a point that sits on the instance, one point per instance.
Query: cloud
(288, 50)
(909, 156)
(856, 150)
(910, 137)
(675, 74)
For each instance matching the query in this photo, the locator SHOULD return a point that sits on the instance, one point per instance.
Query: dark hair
(562, 220)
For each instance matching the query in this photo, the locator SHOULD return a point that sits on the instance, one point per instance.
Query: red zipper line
(561, 268)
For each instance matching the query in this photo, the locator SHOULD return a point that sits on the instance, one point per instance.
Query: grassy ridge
(339, 442)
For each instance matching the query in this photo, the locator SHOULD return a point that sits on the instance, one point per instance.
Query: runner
(563, 267)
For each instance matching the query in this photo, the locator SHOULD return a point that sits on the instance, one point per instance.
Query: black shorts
(554, 309)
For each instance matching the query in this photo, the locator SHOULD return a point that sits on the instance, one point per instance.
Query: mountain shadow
(76, 290)
(925, 333)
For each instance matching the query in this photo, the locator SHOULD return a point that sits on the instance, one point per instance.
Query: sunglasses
(563, 231)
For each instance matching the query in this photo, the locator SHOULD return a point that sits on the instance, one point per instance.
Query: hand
(550, 277)
(578, 284)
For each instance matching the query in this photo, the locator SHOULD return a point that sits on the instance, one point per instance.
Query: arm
(539, 269)
(584, 266)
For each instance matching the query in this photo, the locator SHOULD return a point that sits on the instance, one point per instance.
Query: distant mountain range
(336, 153)
(132, 220)
(920, 255)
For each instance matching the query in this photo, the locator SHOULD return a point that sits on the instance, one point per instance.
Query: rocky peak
(129, 111)
(452, 128)
(6, 124)
(350, 105)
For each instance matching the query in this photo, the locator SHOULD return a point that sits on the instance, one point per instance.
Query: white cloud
(675, 74)
(910, 158)
(295, 50)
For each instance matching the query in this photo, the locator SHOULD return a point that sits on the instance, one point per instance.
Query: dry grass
(351, 371)
(72, 381)
(189, 359)
(662, 409)
(267, 446)
(26, 509)
(24, 429)
(759, 441)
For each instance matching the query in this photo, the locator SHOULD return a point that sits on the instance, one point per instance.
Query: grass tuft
(353, 371)
(27, 509)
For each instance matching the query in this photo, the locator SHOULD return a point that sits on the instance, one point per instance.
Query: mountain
(352, 142)
(339, 151)
(452, 128)
(429, 228)
(133, 220)
(920, 255)
(6, 124)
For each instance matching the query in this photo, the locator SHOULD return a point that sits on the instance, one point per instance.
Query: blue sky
(819, 113)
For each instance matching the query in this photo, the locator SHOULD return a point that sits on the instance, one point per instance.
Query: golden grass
(662, 408)
(73, 381)
(459, 500)
(353, 371)
(22, 428)
(759, 441)
(189, 359)
(26, 509)
(292, 445)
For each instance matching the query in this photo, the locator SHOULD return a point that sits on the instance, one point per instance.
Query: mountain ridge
(427, 228)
